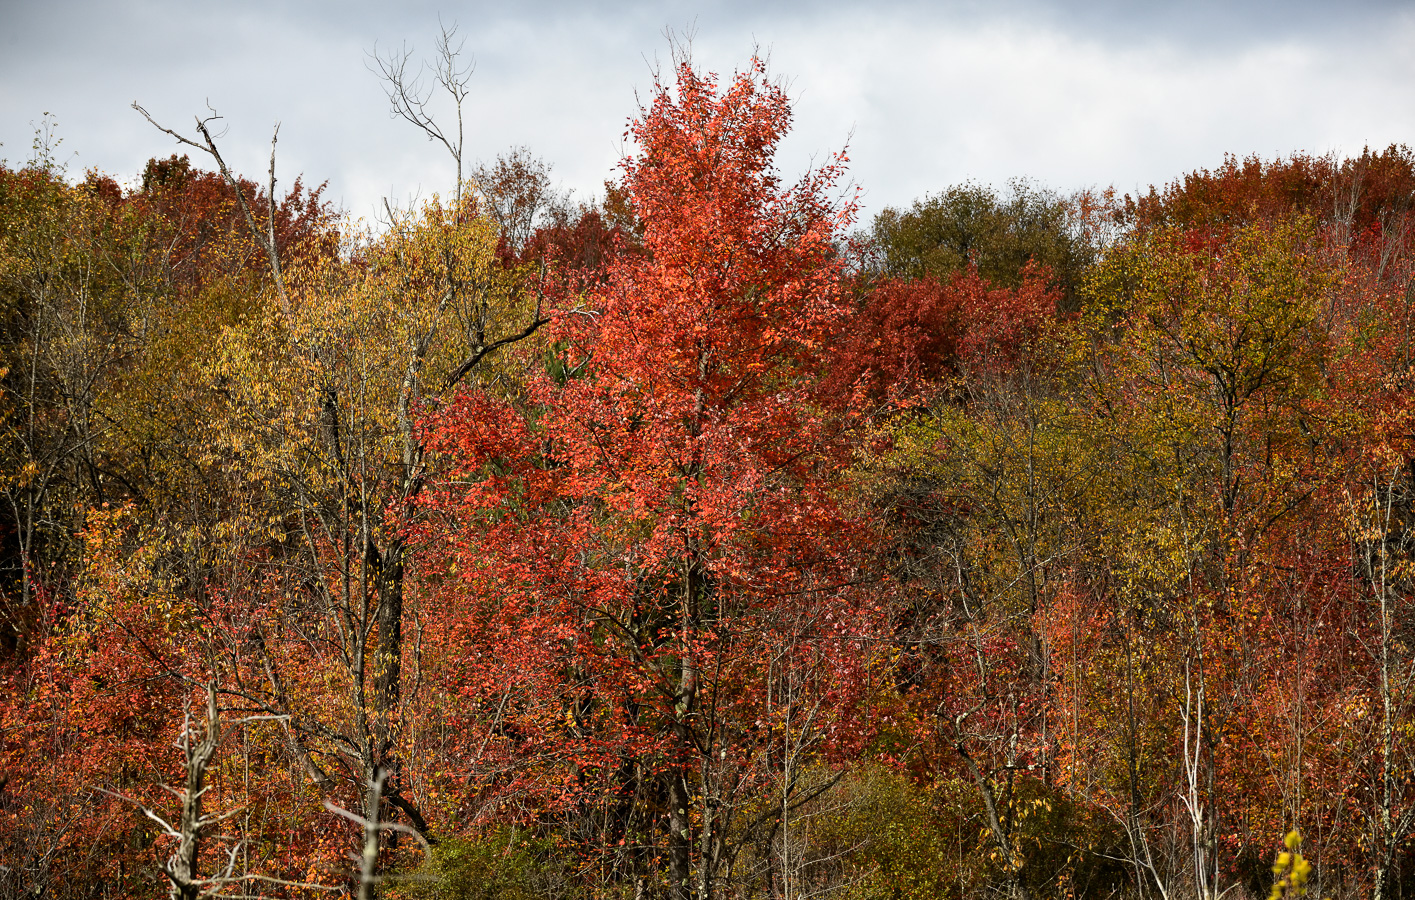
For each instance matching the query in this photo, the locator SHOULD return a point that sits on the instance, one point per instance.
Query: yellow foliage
(1290, 871)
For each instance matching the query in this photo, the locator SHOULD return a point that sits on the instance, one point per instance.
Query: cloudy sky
(1071, 94)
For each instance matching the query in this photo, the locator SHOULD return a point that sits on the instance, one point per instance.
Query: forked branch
(409, 97)
(265, 238)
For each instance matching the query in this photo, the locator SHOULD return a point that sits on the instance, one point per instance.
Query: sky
(922, 96)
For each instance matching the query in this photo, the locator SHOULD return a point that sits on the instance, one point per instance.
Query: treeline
(690, 544)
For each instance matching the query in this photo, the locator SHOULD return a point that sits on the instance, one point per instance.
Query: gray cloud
(927, 94)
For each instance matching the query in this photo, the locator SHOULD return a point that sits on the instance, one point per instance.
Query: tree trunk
(388, 655)
(680, 839)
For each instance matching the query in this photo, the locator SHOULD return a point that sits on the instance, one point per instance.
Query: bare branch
(471, 362)
(409, 97)
(265, 239)
(373, 826)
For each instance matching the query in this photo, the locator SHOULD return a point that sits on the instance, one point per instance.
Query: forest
(703, 541)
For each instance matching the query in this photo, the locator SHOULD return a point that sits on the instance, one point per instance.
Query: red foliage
(577, 250)
(206, 234)
(909, 335)
(652, 541)
(1366, 201)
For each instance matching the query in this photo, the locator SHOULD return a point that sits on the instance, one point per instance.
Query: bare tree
(1383, 527)
(264, 237)
(195, 825)
(410, 94)
(373, 827)
(360, 353)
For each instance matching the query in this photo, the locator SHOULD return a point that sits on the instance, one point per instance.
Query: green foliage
(897, 839)
(970, 224)
(501, 864)
(904, 838)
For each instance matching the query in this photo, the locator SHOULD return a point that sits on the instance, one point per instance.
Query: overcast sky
(1069, 94)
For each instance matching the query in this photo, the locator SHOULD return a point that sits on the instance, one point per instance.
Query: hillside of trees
(706, 542)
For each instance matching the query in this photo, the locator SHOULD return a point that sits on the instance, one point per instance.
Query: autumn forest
(706, 541)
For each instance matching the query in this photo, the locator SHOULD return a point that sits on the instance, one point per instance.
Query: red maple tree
(650, 582)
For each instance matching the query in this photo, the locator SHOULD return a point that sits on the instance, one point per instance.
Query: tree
(969, 225)
(1362, 205)
(518, 196)
(321, 394)
(409, 98)
(1202, 365)
(909, 339)
(977, 484)
(320, 413)
(635, 531)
